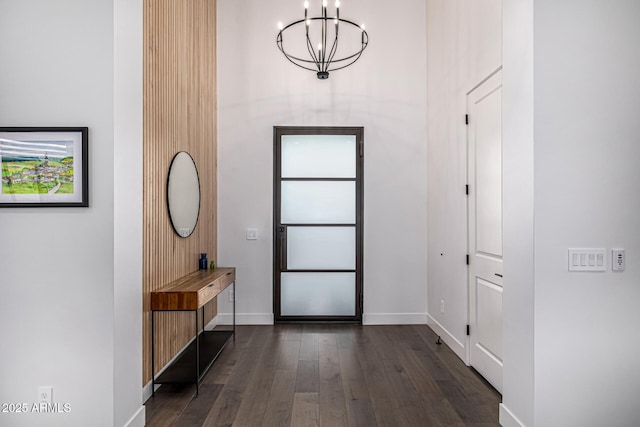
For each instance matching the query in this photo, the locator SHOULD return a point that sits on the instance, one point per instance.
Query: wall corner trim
(138, 419)
(507, 419)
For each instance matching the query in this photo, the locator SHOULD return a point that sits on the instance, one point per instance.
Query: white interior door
(484, 106)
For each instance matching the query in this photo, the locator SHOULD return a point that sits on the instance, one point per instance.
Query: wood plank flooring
(303, 375)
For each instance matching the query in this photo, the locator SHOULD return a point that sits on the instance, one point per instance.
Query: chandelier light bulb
(308, 22)
(324, 3)
(319, 46)
(280, 26)
(306, 5)
(337, 3)
(362, 27)
(335, 20)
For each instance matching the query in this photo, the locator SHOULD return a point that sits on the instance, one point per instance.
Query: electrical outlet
(231, 295)
(44, 394)
(441, 306)
(252, 234)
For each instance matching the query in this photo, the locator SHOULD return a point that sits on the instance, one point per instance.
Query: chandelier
(322, 55)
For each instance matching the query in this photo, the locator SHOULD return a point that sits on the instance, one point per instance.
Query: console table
(191, 293)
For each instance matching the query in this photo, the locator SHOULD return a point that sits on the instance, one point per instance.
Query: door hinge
(466, 119)
(361, 149)
(467, 259)
(466, 189)
(468, 330)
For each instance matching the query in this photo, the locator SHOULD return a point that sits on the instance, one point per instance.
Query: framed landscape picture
(44, 166)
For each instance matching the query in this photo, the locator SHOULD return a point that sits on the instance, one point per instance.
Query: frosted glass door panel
(321, 248)
(318, 156)
(318, 202)
(318, 294)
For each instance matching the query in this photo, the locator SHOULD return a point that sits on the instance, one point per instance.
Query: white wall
(127, 392)
(587, 194)
(464, 46)
(57, 305)
(70, 315)
(384, 92)
(518, 215)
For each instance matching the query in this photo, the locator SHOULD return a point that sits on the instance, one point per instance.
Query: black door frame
(279, 232)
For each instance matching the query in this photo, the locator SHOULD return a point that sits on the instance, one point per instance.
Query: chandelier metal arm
(311, 52)
(324, 37)
(309, 61)
(279, 42)
(309, 44)
(334, 48)
(346, 65)
(290, 58)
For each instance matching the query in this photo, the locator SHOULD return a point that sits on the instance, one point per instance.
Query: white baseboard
(138, 419)
(212, 324)
(507, 419)
(394, 319)
(146, 390)
(368, 318)
(245, 318)
(455, 345)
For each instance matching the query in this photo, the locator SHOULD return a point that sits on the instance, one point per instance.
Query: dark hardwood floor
(331, 375)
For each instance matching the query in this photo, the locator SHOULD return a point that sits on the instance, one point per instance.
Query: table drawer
(227, 279)
(211, 291)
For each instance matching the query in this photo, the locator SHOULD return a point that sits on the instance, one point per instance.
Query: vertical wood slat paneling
(179, 115)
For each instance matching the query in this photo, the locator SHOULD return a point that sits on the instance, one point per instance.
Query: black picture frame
(44, 167)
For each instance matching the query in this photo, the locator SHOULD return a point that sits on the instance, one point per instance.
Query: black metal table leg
(234, 310)
(153, 376)
(197, 355)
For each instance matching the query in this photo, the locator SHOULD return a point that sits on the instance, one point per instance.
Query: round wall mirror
(183, 194)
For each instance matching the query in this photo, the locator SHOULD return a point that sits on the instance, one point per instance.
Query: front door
(318, 224)
(484, 105)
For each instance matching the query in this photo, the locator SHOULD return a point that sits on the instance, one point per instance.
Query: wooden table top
(192, 291)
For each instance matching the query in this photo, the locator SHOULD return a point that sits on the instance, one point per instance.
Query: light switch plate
(587, 259)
